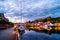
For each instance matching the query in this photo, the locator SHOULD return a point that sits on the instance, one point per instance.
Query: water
(28, 35)
(32, 35)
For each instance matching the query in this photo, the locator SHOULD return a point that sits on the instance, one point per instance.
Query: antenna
(20, 7)
(21, 13)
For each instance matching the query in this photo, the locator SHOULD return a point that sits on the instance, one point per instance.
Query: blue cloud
(29, 9)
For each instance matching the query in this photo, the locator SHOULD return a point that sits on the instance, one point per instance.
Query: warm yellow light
(14, 32)
(57, 28)
(15, 25)
(57, 24)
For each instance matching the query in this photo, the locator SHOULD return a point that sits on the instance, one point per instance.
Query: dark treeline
(53, 20)
(4, 20)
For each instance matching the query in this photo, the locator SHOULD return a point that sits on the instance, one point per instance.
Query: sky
(29, 9)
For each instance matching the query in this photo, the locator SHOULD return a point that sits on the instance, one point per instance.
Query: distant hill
(53, 20)
(4, 20)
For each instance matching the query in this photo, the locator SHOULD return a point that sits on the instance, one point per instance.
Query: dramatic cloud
(29, 9)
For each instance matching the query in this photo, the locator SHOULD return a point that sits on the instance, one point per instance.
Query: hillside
(53, 20)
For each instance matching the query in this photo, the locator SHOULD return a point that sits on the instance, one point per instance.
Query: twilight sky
(29, 9)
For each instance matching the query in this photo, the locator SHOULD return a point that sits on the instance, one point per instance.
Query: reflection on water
(32, 35)
(57, 36)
